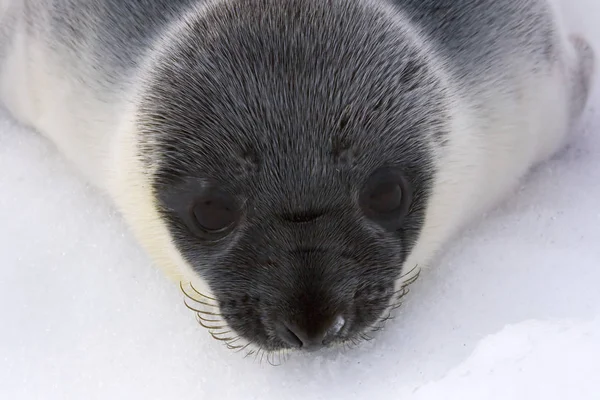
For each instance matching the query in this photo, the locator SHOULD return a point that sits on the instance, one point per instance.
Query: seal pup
(290, 161)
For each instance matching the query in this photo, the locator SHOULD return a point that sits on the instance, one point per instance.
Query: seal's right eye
(215, 213)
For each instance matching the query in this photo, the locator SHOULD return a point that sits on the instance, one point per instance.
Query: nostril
(311, 337)
(288, 336)
(334, 330)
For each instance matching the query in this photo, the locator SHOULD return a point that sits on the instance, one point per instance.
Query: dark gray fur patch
(290, 106)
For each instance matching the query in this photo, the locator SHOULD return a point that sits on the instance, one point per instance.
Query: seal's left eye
(386, 197)
(215, 213)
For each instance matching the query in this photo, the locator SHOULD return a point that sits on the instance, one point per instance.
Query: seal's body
(296, 157)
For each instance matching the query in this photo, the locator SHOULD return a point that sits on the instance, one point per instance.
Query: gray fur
(473, 34)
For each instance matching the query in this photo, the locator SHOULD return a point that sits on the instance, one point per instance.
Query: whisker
(256, 354)
(208, 327)
(347, 346)
(201, 302)
(378, 327)
(242, 348)
(402, 291)
(222, 333)
(210, 313)
(262, 356)
(230, 340)
(209, 320)
(271, 362)
(366, 337)
(189, 307)
(344, 348)
(387, 318)
(402, 295)
(192, 298)
(413, 278)
(411, 271)
(199, 311)
(234, 339)
(217, 332)
(230, 347)
(225, 339)
(202, 294)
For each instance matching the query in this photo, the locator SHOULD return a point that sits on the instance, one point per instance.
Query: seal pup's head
(288, 147)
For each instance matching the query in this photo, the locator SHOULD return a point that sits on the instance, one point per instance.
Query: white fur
(491, 149)
(96, 135)
(483, 162)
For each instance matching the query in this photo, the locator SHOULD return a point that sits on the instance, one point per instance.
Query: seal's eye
(215, 213)
(386, 197)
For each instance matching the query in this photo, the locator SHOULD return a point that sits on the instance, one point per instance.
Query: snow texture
(510, 311)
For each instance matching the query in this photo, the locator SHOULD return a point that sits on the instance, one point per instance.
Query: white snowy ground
(511, 311)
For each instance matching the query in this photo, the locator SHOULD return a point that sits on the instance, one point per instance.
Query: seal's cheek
(129, 184)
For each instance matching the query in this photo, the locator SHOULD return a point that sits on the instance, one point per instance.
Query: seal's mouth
(207, 312)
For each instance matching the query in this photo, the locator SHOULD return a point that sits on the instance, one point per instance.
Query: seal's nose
(311, 336)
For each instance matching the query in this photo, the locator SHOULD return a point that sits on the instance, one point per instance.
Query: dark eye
(215, 212)
(386, 197)
(207, 211)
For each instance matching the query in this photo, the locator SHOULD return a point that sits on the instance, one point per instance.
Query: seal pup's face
(291, 148)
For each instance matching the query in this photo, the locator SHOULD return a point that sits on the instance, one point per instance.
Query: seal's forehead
(290, 148)
(310, 126)
(285, 102)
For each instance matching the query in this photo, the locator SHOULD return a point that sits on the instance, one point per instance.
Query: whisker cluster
(209, 318)
(408, 279)
(212, 320)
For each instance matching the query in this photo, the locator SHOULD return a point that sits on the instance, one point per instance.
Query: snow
(510, 311)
